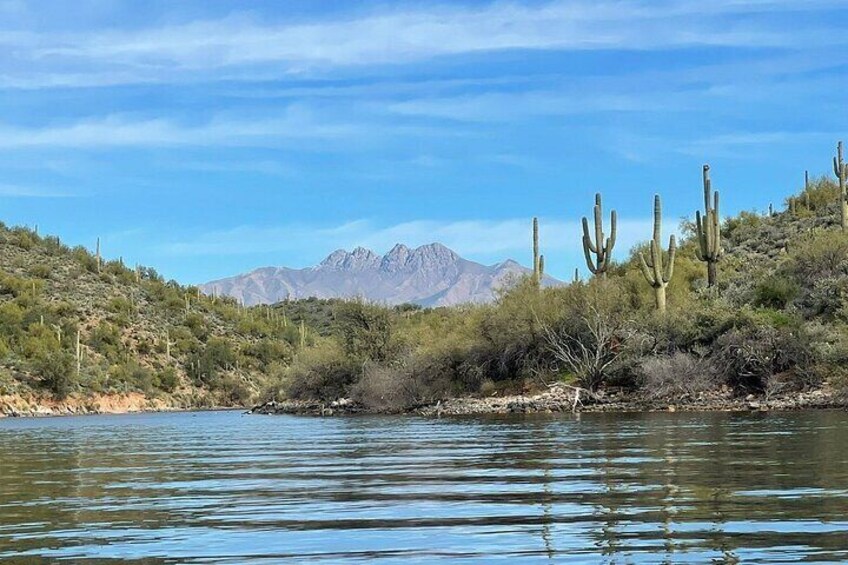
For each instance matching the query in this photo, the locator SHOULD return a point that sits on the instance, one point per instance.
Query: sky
(209, 137)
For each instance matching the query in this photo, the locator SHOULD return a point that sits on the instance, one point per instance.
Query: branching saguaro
(657, 274)
(841, 173)
(602, 247)
(538, 259)
(708, 230)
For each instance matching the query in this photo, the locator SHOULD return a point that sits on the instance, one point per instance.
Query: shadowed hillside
(73, 324)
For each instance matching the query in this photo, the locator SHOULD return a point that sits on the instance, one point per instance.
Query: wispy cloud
(120, 131)
(472, 238)
(245, 45)
(19, 191)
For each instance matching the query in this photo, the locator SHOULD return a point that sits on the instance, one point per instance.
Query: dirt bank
(34, 405)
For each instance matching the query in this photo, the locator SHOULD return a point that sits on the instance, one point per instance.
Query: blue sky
(206, 138)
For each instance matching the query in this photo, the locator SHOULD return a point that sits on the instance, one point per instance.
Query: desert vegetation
(751, 304)
(73, 323)
(755, 304)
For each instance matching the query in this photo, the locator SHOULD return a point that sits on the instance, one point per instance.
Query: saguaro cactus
(538, 260)
(708, 230)
(99, 259)
(602, 246)
(78, 355)
(657, 275)
(807, 191)
(841, 172)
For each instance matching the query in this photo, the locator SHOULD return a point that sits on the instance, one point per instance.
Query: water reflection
(223, 487)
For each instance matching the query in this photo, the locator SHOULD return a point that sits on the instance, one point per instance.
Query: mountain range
(430, 275)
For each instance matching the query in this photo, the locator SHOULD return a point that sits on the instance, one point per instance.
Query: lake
(223, 487)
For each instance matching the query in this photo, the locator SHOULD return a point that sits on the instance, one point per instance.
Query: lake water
(222, 487)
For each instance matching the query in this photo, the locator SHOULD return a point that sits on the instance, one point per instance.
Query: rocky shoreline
(560, 398)
(20, 406)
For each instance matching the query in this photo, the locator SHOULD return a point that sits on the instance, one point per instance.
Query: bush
(365, 330)
(56, 369)
(385, 389)
(818, 256)
(40, 271)
(106, 340)
(677, 375)
(131, 376)
(748, 357)
(216, 355)
(593, 333)
(167, 380)
(775, 292)
(267, 351)
(321, 373)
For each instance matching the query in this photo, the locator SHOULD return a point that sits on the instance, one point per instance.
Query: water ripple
(221, 487)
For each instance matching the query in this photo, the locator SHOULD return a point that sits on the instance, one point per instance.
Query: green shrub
(216, 355)
(40, 271)
(776, 292)
(365, 330)
(749, 357)
(322, 372)
(167, 380)
(130, 375)
(56, 370)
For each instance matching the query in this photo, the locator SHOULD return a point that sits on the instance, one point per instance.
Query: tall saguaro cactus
(602, 246)
(78, 355)
(538, 259)
(657, 274)
(841, 172)
(708, 230)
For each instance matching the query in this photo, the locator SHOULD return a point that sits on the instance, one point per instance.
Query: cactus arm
(613, 231)
(646, 271)
(600, 246)
(657, 262)
(587, 239)
(700, 251)
(672, 253)
(588, 254)
(717, 230)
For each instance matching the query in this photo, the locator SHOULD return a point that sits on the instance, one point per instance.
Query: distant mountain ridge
(430, 275)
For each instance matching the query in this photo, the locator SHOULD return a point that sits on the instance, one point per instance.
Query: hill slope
(70, 324)
(430, 275)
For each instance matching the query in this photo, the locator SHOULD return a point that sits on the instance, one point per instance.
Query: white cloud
(20, 191)
(470, 238)
(119, 131)
(241, 45)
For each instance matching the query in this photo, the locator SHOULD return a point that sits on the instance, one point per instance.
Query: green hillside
(774, 322)
(136, 332)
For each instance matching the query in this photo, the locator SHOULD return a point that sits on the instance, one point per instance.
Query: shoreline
(556, 399)
(562, 399)
(35, 406)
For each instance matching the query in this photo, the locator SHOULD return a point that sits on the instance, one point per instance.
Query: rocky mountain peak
(358, 259)
(395, 260)
(430, 275)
